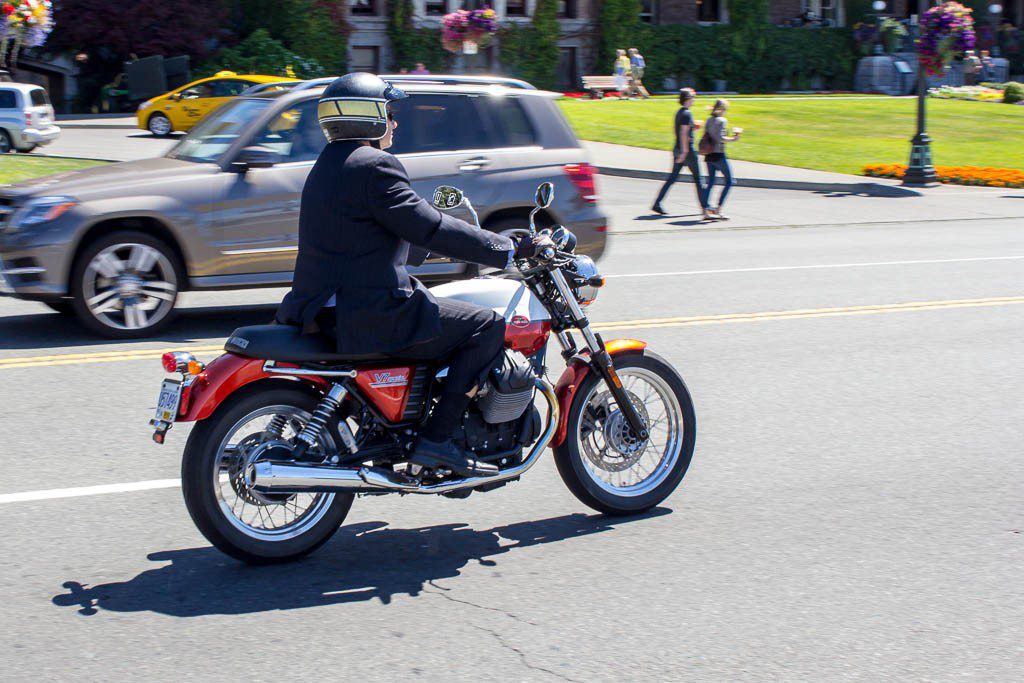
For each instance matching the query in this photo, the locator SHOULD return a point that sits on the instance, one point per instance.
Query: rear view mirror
(545, 194)
(255, 157)
(448, 197)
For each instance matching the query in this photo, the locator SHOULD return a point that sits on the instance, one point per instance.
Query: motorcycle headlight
(590, 280)
(41, 210)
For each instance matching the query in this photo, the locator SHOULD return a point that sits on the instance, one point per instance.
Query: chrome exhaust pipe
(271, 477)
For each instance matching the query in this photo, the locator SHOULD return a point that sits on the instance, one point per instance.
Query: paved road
(853, 511)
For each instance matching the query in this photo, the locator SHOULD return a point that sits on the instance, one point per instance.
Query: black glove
(529, 247)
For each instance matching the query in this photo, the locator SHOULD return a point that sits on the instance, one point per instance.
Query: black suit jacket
(357, 221)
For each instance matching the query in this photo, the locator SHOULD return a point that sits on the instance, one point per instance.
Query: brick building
(369, 49)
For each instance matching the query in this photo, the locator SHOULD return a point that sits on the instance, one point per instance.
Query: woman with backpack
(712, 146)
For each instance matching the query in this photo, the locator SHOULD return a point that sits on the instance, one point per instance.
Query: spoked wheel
(125, 285)
(244, 523)
(603, 463)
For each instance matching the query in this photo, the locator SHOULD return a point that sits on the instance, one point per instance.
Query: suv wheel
(5, 142)
(125, 285)
(159, 125)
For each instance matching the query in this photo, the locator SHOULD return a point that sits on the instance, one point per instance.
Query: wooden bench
(597, 86)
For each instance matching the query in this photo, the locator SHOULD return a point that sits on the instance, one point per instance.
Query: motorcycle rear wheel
(218, 502)
(600, 461)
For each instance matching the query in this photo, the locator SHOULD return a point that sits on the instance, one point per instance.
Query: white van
(26, 118)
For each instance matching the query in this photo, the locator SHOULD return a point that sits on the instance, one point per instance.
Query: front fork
(600, 359)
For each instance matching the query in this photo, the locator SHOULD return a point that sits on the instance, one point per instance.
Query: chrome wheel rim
(613, 459)
(130, 286)
(274, 517)
(159, 124)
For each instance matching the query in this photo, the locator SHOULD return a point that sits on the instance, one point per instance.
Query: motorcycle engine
(498, 420)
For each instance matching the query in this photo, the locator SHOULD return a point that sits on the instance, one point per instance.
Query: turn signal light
(195, 367)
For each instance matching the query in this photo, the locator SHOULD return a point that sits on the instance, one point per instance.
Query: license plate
(170, 398)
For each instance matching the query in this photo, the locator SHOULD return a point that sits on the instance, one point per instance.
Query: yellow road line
(646, 323)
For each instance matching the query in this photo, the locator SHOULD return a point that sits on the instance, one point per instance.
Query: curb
(65, 156)
(108, 126)
(874, 189)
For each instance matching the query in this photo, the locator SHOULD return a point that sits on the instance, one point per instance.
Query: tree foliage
(617, 25)
(261, 54)
(410, 45)
(531, 52)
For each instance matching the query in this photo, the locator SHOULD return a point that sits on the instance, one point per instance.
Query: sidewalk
(99, 121)
(653, 164)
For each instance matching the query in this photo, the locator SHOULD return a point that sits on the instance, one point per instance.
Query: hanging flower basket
(947, 31)
(468, 26)
(23, 23)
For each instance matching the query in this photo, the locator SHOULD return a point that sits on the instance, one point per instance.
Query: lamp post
(994, 10)
(879, 7)
(920, 171)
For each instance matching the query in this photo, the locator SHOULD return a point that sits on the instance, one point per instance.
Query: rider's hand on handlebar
(531, 247)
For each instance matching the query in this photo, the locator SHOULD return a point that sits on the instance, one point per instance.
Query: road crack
(522, 656)
(446, 596)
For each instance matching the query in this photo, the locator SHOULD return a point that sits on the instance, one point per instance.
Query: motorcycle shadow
(362, 562)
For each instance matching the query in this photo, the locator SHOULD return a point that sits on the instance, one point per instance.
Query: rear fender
(577, 371)
(222, 378)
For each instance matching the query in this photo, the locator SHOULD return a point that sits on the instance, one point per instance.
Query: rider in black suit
(360, 225)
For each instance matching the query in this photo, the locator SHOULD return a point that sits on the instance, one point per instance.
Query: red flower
(8, 10)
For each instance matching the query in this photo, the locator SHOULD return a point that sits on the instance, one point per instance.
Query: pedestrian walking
(683, 154)
(712, 146)
(620, 68)
(421, 70)
(636, 68)
(971, 67)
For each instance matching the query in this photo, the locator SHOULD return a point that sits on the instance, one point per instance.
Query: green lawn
(15, 167)
(828, 135)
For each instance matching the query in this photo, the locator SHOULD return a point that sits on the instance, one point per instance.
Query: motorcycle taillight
(582, 176)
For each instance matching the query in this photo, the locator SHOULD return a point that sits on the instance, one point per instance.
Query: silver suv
(116, 244)
(26, 118)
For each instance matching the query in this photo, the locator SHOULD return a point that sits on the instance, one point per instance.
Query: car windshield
(214, 134)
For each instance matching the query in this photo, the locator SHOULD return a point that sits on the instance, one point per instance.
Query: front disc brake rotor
(621, 448)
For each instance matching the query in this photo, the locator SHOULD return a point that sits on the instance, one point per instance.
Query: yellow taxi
(181, 109)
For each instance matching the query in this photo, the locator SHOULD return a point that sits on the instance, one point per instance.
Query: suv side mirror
(545, 194)
(255, 157)
(448, 197)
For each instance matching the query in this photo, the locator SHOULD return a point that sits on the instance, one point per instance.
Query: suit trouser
(693, 163)
(471, 337)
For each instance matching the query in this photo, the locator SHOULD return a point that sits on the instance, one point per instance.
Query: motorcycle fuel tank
(527, 322)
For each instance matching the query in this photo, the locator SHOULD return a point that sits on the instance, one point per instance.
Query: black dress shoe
(436, 454)
(657, 209)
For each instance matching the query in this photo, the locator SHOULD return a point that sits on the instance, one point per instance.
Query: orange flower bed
(957, 175)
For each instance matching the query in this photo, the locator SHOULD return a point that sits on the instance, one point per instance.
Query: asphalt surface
(853, 511)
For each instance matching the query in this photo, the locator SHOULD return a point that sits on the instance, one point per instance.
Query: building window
(709, 11)
(824, 12)
(365, 59)
(362, 8)
(515, 8)
(566, 9)
(649, 11)
(436, 8)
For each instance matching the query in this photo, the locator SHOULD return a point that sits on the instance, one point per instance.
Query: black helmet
(354, 107)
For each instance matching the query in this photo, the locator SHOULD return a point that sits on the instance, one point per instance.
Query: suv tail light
(582, 176)
(28, 118)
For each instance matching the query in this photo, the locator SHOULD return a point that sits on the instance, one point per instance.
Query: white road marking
(818, 266)
(28, 496)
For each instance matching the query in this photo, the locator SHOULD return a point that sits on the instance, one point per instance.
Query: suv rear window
(512, 126)
(438, 123)
(39, 98)
(8, 99)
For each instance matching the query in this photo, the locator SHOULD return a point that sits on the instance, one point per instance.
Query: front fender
(577, 371)
(224, 376)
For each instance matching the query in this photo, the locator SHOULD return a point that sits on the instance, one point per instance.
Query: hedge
(761, 62)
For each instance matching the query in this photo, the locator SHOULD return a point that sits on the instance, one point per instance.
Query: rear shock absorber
(276, 426)
(314, 429)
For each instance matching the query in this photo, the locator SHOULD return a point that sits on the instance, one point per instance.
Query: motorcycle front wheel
(247, 525)
(603, 463)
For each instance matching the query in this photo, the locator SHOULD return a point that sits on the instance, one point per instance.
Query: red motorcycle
(288, 431)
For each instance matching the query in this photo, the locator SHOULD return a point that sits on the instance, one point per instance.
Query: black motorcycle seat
(287, 344)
